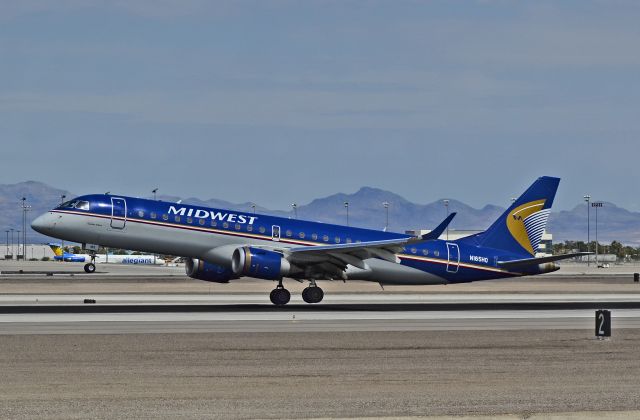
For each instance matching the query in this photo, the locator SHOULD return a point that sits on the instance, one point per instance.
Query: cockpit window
(75, 204)
(68, 204)
(82, 205)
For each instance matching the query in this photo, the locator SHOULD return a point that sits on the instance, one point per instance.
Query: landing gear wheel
(280, 296)
(90, 268)
(312, 294)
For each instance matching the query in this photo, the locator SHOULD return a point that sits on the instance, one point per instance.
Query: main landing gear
(91, 267)
(281, 296)
(312, 294)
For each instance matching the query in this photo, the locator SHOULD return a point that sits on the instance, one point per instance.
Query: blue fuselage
(207, 234)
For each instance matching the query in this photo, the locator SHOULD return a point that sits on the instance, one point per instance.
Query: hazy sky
(282, 101)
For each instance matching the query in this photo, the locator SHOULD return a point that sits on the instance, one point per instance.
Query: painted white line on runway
(311, 316)
(253, 298)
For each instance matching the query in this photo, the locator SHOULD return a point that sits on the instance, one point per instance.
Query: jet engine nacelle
(202, 270)
(259, 263)
(540, 268)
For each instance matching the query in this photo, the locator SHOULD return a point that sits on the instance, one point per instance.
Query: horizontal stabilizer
(435, 233)
(540, 260)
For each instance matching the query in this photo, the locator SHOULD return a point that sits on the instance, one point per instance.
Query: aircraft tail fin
(57, 250)
(519, 229)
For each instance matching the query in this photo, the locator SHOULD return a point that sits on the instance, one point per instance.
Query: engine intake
(202, 270)
(259, 263)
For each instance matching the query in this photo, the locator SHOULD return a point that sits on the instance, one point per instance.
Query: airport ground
(159, 345)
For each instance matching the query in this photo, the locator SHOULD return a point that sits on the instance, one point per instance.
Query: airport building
(33, 251)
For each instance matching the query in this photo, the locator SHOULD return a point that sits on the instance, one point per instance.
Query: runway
(131, 313)
(169, 347)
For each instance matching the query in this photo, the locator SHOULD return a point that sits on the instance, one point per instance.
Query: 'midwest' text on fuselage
(205, 214)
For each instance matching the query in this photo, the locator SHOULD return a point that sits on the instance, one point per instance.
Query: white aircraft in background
(60, 255)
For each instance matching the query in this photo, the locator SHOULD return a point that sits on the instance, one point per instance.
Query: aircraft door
(453, 252)
(118, 213)
(275, 233)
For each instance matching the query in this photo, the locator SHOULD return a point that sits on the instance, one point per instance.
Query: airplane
(60, 255)
(222, 245)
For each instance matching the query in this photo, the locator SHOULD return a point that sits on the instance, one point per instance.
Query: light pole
(18, 254)
(12, 243)
(253, 208)
(62, 197)
(295, 210)
(446, 206)
(24, 214)
(596, 204)
(587, 198)
(154, 191)
(25, 209)
(386, 210)
(7, 253)
(346, 206)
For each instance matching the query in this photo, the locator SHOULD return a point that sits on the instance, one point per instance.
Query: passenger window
(314, 236)
(153, 215)
(358, 241)
(201, 222)
(348, 240)
(238, 226)
(413, 250)
(249, 228)
(288, 233)
(425, 251)
(337, 239)
(225, 225)
(140, 213)
(177, 219)
(189, 220)
(301, 235)
(325, 238)
(213, 223)
(436, 253)
(165, 217)
(262, 229)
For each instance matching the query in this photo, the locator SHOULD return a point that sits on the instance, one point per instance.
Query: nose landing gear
(91, 267)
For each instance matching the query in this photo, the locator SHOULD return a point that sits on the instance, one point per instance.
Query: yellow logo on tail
(56, 250)
(525, 229)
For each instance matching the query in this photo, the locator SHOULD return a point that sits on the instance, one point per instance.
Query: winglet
(435, 233)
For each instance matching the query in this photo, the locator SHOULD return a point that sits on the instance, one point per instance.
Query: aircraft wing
(340, 255)
(540, 260)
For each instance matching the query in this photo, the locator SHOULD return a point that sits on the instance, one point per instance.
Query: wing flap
(355, 253)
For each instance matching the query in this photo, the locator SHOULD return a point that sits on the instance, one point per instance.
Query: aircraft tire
(280, 296)
(90, 268)
(312, 294)
(316, 294)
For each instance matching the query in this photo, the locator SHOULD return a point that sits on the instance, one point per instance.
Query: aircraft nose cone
(42, 224)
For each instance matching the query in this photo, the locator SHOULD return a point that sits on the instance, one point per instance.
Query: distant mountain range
(365, 210)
